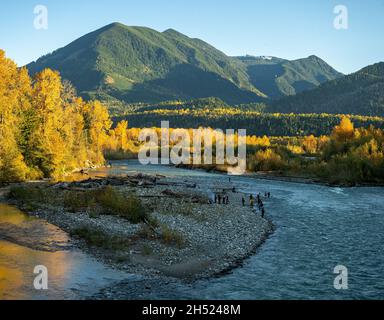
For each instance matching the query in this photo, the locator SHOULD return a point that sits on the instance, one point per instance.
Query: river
(318, 228)
(27, 242)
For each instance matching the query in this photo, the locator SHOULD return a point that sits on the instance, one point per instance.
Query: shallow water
(27, 242)
(318, 228)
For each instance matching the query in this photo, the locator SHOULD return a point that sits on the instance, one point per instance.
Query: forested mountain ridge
(215, 113)
(278, 77)
(138, 64)
(359, 93)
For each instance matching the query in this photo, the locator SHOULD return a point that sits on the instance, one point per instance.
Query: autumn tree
(121, 134)
(310, 144)
(12, 81)
(45, 129)
(344, 131)
(96, 126)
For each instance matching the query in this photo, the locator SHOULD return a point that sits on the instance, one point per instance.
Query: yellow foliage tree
(344, 131)
(96, 125)
(310, 144)
(12, 81)
(45, 130)
(265, 160)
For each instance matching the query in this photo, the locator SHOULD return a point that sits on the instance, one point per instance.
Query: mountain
(279, 77)
(138, 64)
(359, 93)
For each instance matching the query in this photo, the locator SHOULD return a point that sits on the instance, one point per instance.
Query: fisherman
(227, 200)
(243, 201)
(251, 202)
(219, 198)
(215, 198)
(262, 212)
(269, 195)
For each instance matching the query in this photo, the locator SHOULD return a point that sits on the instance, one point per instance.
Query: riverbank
(187, 237)
(285, 177)
(275, 176)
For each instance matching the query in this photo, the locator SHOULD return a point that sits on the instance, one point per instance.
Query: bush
(76, 201)
(266, 160)
(115, 203)
(107, 200)
(146, 232)
(100, 239)
(170, 236)
(31, 194)
(166, 235)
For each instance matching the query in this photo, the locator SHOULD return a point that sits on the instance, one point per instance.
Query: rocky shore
(192, 237)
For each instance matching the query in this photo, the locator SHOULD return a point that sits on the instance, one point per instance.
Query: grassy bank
(107, 201)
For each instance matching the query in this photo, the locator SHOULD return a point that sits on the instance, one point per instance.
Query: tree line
(45, 129)
(256, 123)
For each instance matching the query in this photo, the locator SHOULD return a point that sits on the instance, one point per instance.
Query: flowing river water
(318, 228)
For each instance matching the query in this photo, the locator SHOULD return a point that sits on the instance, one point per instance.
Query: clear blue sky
(283, 28)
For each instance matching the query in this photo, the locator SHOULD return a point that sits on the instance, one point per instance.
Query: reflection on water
(12, 215)
(27, 242)
(30, 232)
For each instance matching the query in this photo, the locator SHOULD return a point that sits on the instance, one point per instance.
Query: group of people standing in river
(221, 199)
(260, 204)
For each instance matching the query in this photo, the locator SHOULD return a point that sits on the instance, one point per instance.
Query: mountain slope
(138, 64)
(279, 77)
(359, 93)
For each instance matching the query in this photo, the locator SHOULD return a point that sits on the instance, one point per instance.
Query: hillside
(137, 64)
(359, 93)
(216, 114)
(279, 77)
